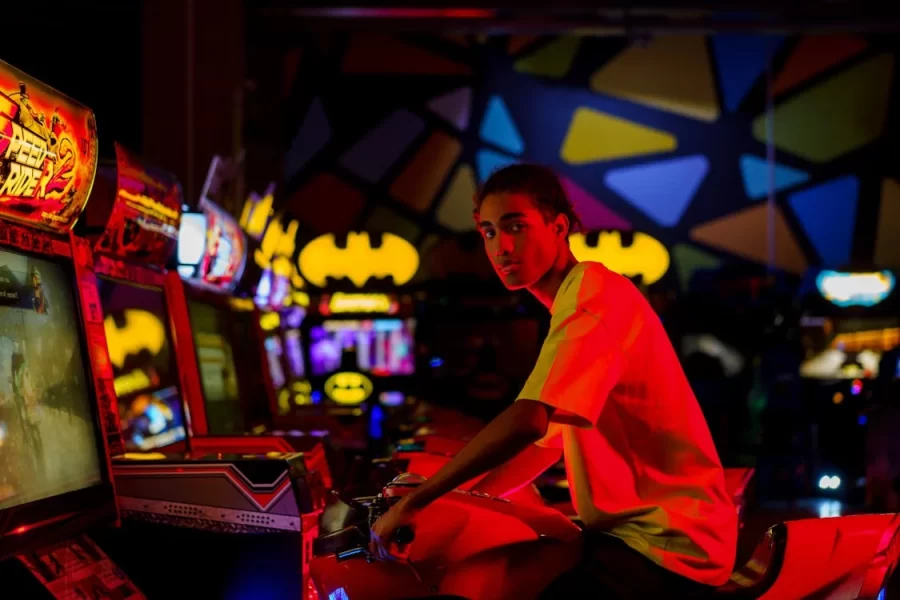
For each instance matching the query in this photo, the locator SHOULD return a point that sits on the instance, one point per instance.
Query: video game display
(274, 353)
(144, 367)
(293, 342)
(383, 347)
(218, 373)
(48, 435)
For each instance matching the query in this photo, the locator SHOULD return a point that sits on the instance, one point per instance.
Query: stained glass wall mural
(664, 136)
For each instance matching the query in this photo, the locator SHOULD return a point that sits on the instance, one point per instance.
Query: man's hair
(537, 181)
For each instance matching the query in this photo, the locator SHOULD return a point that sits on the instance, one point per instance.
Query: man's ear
(561, 226)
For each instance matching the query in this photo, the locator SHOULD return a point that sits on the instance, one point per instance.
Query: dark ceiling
(613, 18)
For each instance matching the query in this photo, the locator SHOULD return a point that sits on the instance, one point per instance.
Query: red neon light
(413, 13)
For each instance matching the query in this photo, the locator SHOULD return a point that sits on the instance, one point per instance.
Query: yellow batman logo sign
(348, 388)
(359, 261)
(140, 330)
(645, 256)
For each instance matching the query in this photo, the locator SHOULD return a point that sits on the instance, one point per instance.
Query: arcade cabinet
(56, 407)
(132, 222)
(232, 410)
(850, 321)
(212, 255)
(280, 299)
(360, 331)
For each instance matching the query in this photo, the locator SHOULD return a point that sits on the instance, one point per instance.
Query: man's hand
(381, 543)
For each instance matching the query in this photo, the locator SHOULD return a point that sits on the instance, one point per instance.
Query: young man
(609, 391)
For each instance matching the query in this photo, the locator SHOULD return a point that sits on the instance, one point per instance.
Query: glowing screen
(218, 373)
(274, 352)
(294, 347)
(146, 376)
(48, 436)
(382, 347)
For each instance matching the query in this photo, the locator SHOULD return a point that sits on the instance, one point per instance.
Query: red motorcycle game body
(844, 557)
(466, 545)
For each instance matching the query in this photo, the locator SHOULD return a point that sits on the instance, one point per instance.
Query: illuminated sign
(877, 339)
(855, 289)
(140, 330)
(48, 153)
(132, 382)
(359, 261)
(302, 392)
(256, 212)
(269, 321)
(645, 256)
(146, 215)
(348, 388)
(240, 304)
(358, 303)
(277, 246)
(224, 251)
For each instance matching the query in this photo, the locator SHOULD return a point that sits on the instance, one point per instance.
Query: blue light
(498, 128)
(827, 213)
(740, 60)
(664, 189)
(862, 420)
(488, 161)
(436, 362)
(316, 397)
(755, 172)
(338, 594)
(855, 289)
(376, 418)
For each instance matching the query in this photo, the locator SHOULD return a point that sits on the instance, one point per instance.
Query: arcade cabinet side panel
(185, 350)
(101, 367)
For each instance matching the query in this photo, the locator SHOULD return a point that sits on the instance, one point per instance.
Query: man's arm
(511, 432)
(515, 474)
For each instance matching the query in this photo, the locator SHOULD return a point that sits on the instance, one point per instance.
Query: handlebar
(404, 535)
(352, 541)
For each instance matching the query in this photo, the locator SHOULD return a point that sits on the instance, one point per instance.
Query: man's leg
(614, 571)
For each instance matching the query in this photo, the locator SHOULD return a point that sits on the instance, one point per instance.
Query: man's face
(519, 241)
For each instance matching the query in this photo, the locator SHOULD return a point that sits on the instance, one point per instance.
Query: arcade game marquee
(57, 412)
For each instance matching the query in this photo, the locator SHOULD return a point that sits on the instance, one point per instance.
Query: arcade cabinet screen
(274, 353)
(146, 375)
(216, 352)
(294, 346)
(383, 347)
(48, 436)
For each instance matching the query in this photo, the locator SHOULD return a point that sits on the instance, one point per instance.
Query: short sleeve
(579, 364)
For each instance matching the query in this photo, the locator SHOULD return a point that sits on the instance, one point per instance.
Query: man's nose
(504, 244)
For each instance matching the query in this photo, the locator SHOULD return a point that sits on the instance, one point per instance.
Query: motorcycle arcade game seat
(844, 557)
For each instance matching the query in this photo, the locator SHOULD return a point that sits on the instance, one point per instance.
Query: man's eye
(517, 227)
(487, 234)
